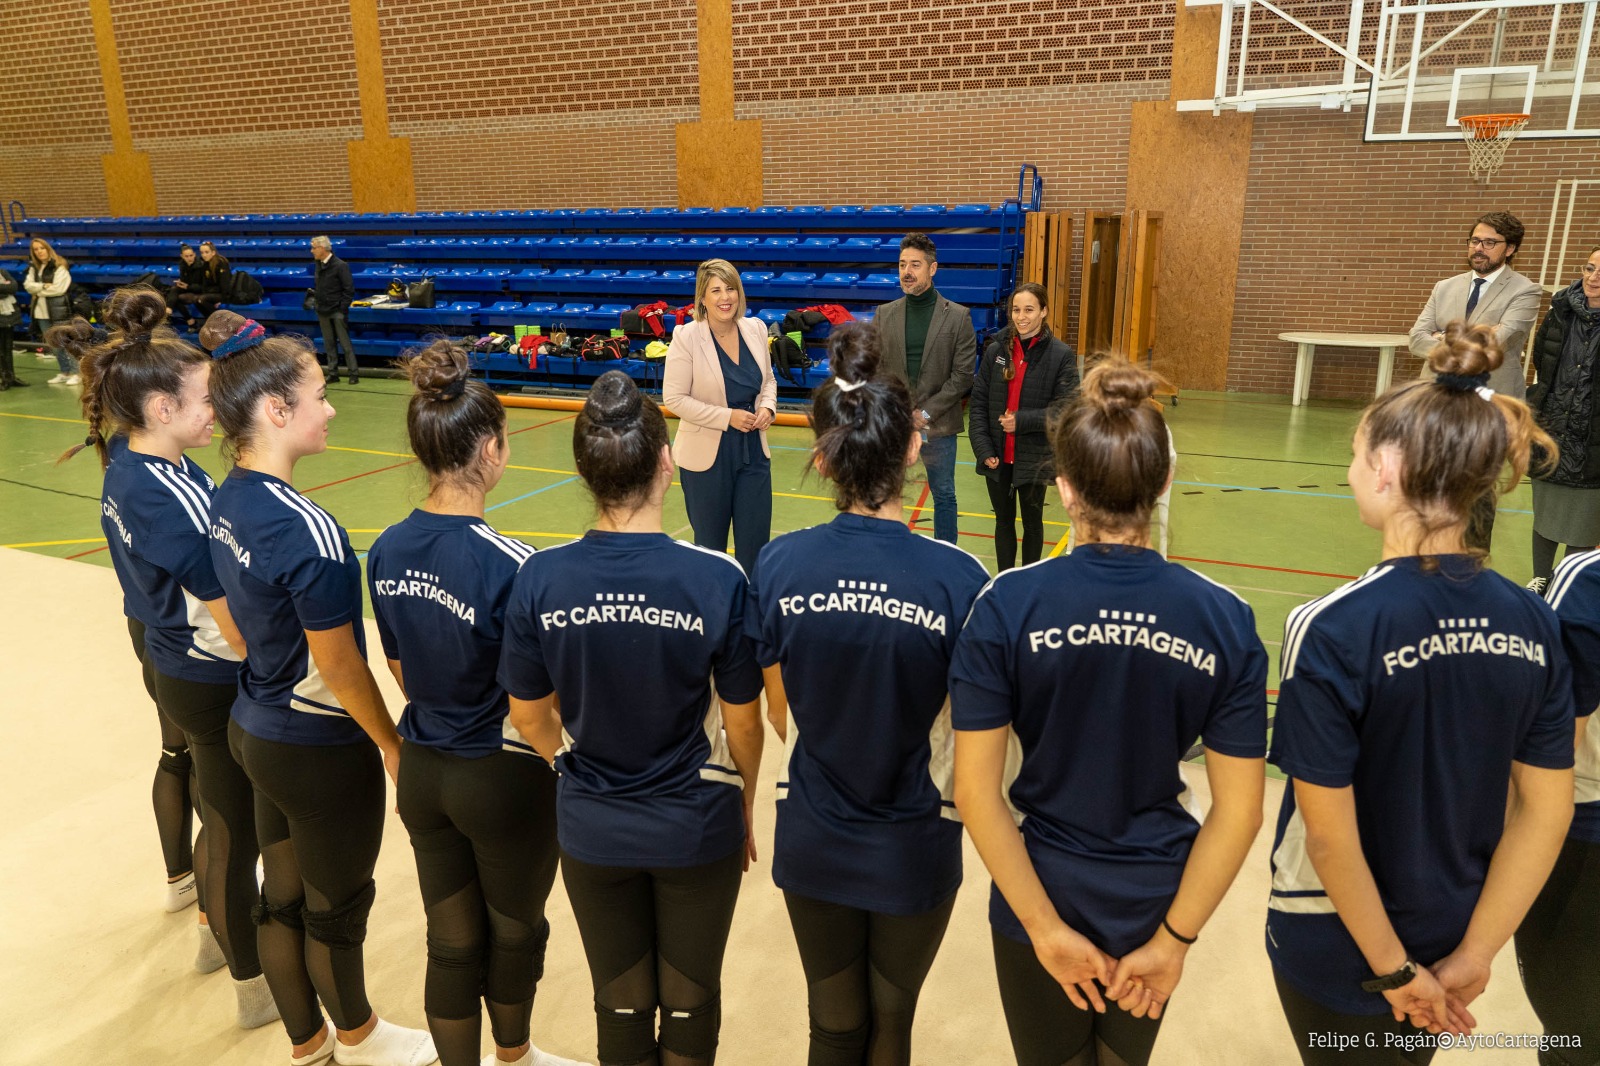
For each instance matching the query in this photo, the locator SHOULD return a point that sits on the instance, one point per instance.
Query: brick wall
(1350, 237)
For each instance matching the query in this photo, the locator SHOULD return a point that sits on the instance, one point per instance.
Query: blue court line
(535, 492)
(1299, 492)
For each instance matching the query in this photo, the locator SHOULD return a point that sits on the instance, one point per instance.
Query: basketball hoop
(1488, 137)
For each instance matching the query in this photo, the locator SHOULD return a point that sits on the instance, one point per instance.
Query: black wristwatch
(1389, 982)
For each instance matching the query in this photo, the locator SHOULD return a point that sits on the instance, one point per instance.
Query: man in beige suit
(1493, 294)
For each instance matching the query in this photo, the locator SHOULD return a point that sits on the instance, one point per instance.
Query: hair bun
(855, 352)
(1466, 351)
(134, 311)
(74, 336)
(218, 327)
(614, 401)
(1115, 384)
(440, 371)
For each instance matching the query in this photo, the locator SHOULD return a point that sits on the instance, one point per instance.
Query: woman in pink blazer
(719, 383)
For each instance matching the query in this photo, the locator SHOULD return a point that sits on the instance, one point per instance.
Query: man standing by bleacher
(1489, 294)
(333, 292)
(930, 343)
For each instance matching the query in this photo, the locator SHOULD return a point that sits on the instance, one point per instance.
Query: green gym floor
(1259, 502)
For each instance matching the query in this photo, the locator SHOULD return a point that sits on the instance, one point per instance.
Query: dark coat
(1051, 382)
(193, 276)
(1553, 396)
(334, 287)
(947, 357)
(218, 277)
(8, 292)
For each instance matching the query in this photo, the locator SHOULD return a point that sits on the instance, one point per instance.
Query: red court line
(541, 425)
(353, 477)
(91, 551)
(916, 512)
(1258, 566)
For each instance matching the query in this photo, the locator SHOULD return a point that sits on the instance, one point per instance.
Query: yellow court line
(54, 543)
(41, 418)
(533, 533)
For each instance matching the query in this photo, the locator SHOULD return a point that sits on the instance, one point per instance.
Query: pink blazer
(694, 389)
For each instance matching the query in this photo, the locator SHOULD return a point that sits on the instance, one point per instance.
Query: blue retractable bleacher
(576, 270)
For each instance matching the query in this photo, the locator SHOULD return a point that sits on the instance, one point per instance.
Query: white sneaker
(534, 1057)
(59, 379)
(72, 379)
(181, 893)
(44, 356)
(388, 1045)
(1537, 585)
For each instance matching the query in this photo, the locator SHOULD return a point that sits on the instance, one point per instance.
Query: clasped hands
(745, 421)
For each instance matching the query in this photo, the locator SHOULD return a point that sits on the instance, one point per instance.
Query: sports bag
(789, 355)
(599, 349)
(420, 294)
(647, 320)
(244, 289)
(835, 313)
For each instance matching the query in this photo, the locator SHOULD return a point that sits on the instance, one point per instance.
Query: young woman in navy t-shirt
(148, 391)
(1100, 669)
(628, 667)
(310, 726)
(479, 804)
(868, 848)
(1412, 700)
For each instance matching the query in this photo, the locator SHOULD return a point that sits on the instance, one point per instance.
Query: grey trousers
(336, 332)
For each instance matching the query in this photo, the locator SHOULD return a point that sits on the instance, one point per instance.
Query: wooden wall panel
(1194, 169)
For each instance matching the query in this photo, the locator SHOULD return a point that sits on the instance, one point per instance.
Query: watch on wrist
(927, 418)
(1389, 982)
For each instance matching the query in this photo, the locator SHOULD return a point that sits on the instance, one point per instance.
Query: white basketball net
(1488, 137)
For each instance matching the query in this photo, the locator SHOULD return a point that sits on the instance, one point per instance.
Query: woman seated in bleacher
(216, 281)
(184, 294)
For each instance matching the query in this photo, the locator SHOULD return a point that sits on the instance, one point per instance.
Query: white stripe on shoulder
(323, 529)
(963, 551)
(1300, 619)
(514, 548)
(1568, 572)
(166, 477)
(185, 483)
(724, 556)
(1217, 583)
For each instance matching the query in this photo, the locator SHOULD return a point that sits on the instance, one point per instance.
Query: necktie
(1477, 290)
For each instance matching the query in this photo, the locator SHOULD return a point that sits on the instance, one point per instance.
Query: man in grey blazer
(1491, 293)
(930, 344)
(1505, 300)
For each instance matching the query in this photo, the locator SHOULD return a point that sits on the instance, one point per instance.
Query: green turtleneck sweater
(919, 313)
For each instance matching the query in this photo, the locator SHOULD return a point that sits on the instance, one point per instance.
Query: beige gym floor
(94, 971)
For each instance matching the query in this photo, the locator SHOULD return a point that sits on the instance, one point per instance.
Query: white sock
(256, 1007)
(209, 958)
(322, 1054)
(181, 893)
(388, 1045)
(535, 1057)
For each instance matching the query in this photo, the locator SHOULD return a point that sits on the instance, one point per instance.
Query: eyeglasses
(1590, 269)
(1488, 244)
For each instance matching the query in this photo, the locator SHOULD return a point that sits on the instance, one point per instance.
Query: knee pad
(852, 1043)
(624, 1036)
(692, 1033)
(541, 941)
(288, 914)
(177, 762)
(345, 925)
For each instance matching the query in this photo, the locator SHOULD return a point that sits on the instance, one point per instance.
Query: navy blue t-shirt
(154, 513)
(630, 629)
(1575, 595)
(439, 585)
(287, 567)
(1108, 664)
(1417, 690)
(863, 615)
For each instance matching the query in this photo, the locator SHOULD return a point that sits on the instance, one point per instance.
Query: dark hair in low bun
(862, 432)
(450, 414)
(1111, 446)
(617, 441)
(141, 356)
(1454, 447)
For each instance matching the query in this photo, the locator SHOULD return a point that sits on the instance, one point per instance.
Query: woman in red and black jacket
(1024, 372)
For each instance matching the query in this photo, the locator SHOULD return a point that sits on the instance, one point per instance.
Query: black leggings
(1047, 1030)
(1544, 555)
(319, 818)
(1556, 951)
(654, 938)
(173, 791)
(1006, 499)
(484, 833)
(228, 802)
(1350, 1039)
(864, 971)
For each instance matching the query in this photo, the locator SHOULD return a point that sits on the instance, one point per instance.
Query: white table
(1307, 343)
